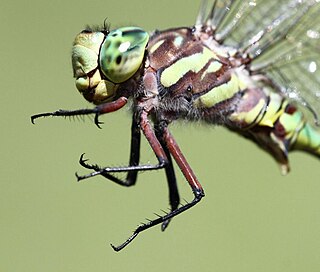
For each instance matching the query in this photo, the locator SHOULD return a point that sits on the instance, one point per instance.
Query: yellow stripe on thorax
(220, 93)
(156, 46)
(194, 63)
(213, 67)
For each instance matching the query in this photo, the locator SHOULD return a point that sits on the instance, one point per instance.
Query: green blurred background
(252, 218)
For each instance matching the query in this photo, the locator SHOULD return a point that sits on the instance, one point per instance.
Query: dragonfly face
(102, 60)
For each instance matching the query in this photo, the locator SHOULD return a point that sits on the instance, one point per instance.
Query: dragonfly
(252, 66)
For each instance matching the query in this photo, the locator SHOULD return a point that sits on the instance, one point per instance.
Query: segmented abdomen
(275, 124)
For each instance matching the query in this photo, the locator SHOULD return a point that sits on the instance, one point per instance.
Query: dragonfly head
(103, 60)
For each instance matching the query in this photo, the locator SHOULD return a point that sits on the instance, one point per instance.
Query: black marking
(264, 109)
(118, 59)
(132, 31)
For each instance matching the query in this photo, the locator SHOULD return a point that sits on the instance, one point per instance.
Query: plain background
(252, 218)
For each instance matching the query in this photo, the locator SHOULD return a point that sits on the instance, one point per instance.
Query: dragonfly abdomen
(275, 124)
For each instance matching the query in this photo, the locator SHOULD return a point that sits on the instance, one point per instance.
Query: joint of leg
(198, 193)
(163, 162)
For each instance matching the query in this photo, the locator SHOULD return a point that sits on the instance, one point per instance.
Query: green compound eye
(122, 53)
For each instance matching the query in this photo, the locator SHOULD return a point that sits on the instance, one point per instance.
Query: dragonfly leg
(101, 109)
(174, 198)
(196, 187)
(156, 146)
(133, 161)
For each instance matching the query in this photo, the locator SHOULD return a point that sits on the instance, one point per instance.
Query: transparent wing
(282, 37)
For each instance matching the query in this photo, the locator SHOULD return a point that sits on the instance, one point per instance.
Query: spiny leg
(174, 198)
(133, 161)
(156, 146)
(158, 150)
(101, 109)
(130, 180)
(189, 175)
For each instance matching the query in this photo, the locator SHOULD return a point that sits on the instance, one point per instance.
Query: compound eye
(122, 53)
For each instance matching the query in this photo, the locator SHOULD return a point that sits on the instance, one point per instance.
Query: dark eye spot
(107, 44)
(118, 59)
